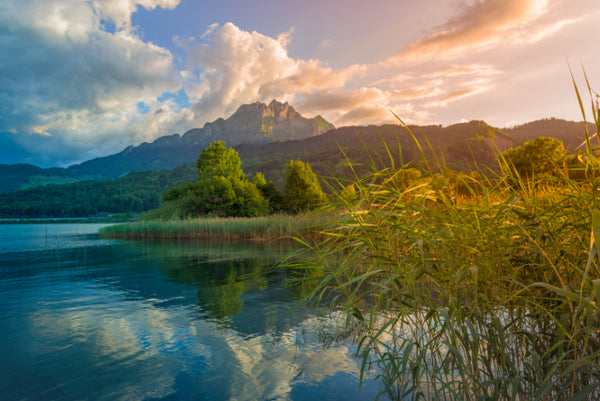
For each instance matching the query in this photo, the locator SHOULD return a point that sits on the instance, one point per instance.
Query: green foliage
(179, 192)
(219, 160)
(269, 191)
(491, 295)
(263, 227)
(136, 192)
(259, 180)
(249, 201)
(543, 156)
(302, 190)
(217, 197)
(463, 147)
(222, 189)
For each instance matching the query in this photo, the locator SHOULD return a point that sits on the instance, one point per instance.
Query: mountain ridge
(252, 124)
(255, 123)
(463, 147)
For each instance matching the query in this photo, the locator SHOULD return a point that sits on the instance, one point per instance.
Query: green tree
(259, 180)
(269, 191)
(219, 160)
(543, 156)
(249, 201)
(302, 190)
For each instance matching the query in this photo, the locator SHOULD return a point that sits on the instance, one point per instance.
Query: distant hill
(255, 123)
(267, 136)
(460, 146)
(22, 176)
(572, 134)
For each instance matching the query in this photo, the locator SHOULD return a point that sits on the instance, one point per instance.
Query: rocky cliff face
(255, 123)
(259, 123)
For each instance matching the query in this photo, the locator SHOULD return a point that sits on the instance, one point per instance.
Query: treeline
(223, 190)
(462, 147)
(136, 192)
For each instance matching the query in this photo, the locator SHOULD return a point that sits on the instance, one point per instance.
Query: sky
(85, 78)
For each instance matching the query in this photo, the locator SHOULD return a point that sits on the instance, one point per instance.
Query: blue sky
(81, 79)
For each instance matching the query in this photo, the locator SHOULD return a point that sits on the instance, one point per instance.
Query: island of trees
(223, 190)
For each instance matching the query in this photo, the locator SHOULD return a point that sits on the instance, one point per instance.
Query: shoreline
(255, 229)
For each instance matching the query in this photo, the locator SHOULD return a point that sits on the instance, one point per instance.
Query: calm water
(84, 318)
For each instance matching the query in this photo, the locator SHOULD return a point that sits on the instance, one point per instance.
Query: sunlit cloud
(453, 70)
(78, 81)
(457, 95)
(235, 67)
(342, 99)
(79, 71)
(481, 25)
(375, 114)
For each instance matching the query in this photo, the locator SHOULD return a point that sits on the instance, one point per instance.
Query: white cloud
(69, 86)
(70, 80)
(484, 24)
(235, 67)
(120, 11)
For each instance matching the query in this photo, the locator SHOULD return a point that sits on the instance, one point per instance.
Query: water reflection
(141, 320)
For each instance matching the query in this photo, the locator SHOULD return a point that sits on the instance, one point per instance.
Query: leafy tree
(249, 201)
(222, 189)
(269, 191)
(259, 180)
(302, 190)
(179, 192)
(219, 160)
(543, 156)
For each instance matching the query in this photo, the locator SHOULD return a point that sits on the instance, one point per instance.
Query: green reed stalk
(491, 295)
(255, 228)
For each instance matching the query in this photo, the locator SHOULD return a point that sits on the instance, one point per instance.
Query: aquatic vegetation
(481, 286)
(245, 228)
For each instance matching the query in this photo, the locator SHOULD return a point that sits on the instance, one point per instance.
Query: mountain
(459, 145)
(255, 123)
(22, 176)
(572, 134)
(254, 126)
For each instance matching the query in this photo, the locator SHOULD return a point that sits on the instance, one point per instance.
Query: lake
(86, 318)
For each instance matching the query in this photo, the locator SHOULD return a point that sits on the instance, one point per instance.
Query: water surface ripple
(85, 318)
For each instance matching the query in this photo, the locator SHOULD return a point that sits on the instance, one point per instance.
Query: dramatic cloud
(484, 24)
(235, 67)
(68, 79)
(78, 80)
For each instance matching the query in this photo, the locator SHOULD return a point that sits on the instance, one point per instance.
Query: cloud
(211, 29)
(235, 67)
(326, 44)
(365, 114)
(481, 25)
(73, 82)
(120, 11)
(456, 95)
(75, 73)
(232, 67)
(342, 99)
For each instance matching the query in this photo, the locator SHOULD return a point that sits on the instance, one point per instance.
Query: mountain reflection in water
(84, 318)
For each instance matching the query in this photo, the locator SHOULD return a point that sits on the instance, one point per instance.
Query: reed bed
(468, 289)
(238, 228)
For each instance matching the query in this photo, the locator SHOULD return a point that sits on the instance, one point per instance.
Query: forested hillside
(460, 147)
(572, 134)
(136, 192)
(255, 123)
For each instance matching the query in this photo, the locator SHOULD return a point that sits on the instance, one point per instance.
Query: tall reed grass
(251, 228)
(465, 287)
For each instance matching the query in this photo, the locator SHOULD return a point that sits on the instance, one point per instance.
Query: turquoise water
(85, 318)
